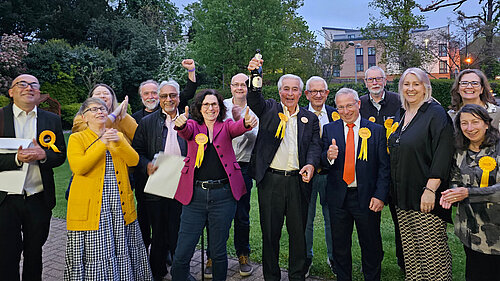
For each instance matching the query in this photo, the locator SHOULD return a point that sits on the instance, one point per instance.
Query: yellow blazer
(88, 167)
(126, 125)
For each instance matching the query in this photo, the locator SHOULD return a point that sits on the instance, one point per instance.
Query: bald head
(239, 87)
(25, 92)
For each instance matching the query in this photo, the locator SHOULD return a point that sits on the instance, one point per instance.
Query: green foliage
(4, 100)
(68, 112)
(441, 89)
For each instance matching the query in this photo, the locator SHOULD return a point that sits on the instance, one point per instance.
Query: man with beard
(382, 105)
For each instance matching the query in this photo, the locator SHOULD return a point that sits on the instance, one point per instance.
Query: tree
(331, 58)
(12, 52)
(487, 25)
(395, 36)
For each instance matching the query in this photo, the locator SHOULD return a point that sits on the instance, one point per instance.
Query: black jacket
(391, 105)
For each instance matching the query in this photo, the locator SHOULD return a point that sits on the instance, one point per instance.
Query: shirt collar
(323, 109)
(18, 111)
(381, 99)
(357, 123)
(287, 113)
(167, 116)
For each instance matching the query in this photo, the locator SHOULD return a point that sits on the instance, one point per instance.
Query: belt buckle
(203, 185)
(288, 173)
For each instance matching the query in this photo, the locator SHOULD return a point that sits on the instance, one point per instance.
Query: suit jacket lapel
(300, 125)
(9, 130)
(217, 128)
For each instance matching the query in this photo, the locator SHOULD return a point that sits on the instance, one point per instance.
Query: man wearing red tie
(357, 185)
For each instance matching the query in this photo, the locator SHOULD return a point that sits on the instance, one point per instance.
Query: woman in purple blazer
(211, 181)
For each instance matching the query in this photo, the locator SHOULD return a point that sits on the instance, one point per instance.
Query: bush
(68, 112)
(4, 101)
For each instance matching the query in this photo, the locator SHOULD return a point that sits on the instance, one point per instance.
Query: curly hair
(491, 136)
(485, 96)
(195, 109)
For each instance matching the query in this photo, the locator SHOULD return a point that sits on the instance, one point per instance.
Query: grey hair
(172, 83)
(375, 68)
(290, 76)
(150, 81)
(88, 102)
(347, 91)
(315, 78)
(232, 78)
(422, 77)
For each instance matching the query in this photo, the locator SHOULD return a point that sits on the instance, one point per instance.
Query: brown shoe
(207, 273)
(245, 268)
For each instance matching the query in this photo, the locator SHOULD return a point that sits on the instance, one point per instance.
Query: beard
(150, 104)
(377, 91)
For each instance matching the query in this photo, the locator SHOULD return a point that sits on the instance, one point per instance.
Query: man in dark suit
(156, 133)
(283, 160)
(358, 182)
(25, 218)
(317, 93)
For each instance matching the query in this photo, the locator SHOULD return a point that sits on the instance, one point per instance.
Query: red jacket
(224, 132)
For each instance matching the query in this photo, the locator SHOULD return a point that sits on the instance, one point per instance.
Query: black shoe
(332, 266)
(308, 266)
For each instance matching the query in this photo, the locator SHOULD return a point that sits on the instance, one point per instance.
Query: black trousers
(279, 197)
(143, 219)
(397, 234)
(481, 267)
(370, 240)
(24, 227)
(164, 215)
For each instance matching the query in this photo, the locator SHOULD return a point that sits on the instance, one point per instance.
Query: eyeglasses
(239, 85)
(474, 84)
(24, 85)
(378, 79)
(347, 106)
(315, 92)
(171, 96)
(207, 105)
(95, 109)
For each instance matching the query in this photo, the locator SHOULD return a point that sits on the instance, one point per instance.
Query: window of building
(359, 67)
(371, 51)
(350, 36)
(371, 64)
(443, 67)
(359, 51)
(443, 50)
(336, 71)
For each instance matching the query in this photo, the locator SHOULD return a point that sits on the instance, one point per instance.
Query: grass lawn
(390, 269)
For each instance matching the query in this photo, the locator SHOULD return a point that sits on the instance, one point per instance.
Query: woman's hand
(453, 195)
(181, 120)
(427, 201)
(250, 120)
(124, 107)
(110, 135)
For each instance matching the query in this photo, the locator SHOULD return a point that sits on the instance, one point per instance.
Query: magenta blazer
(224, 132)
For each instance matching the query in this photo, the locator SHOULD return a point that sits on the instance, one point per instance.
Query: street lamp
(358, 45)
(468, 61)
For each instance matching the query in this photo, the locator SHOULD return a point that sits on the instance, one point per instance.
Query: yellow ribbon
(487, 164)
(201, 139)
(49, 144)
(280, 132)
(390, 128)
(335, 116)
(371, 119)
(364, 134)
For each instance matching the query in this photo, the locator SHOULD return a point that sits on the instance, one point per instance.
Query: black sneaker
(308, 266)
(331, 265)
(246, 268)
(208, 270)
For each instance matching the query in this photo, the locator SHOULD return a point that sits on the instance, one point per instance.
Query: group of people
(400, 149)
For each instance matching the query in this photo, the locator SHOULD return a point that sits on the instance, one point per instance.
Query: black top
(211, 167)
(138, 115)
(423, 150)
(391, 105)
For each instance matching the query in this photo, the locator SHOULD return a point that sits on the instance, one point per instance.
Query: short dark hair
(485, 96)
(491, 136)
(195, 109)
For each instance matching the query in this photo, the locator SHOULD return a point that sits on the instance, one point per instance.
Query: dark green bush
(4, 101)
(68, 112)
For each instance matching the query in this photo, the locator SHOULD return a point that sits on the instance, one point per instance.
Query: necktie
(349, 164)
(318, 113)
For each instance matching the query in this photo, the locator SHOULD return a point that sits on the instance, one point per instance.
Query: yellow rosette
(280, 132)
(487, 164)
(201, 139)
(372, 119)
(335, 116)
(364, 134)
(388, 127)
(50, 143)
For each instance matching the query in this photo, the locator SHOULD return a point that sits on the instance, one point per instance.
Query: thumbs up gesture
(250, 120)
(333, 150)
(181, 120)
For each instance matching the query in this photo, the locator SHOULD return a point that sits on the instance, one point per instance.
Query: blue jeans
(318, 187)
(218, 207)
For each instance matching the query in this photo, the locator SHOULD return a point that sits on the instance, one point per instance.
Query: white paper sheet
(165, 180)
(13, 181)
(13, 143)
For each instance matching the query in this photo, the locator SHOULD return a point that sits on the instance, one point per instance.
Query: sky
(355, 13)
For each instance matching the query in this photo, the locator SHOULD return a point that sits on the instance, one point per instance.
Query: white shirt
(25, 128)
(242, 145)
(287, 155)
(322, 117)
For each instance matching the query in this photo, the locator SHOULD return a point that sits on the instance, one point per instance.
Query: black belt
(284, 172)
(212, 184)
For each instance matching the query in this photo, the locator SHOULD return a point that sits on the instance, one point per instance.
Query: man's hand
(188, 64)
(236, 111)
(151, 168)
(250, 120)
(31, 154)
(333, 151)
(254, 64)
(307, 172)
(376, 205)
(181, 120)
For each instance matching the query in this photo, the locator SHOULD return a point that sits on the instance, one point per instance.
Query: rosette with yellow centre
(364, 134)
(280, 132)
(51, 140)
(487, 164)
(201, 139)
(372, 119)
(335, 116)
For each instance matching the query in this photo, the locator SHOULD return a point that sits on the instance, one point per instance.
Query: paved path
(53, 259)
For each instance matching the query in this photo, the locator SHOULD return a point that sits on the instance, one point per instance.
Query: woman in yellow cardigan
(104, 240)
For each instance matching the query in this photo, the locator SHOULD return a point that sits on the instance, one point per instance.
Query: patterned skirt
(425, 247)
(113, 252)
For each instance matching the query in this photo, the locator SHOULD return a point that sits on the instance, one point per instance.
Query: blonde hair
(423, 78)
